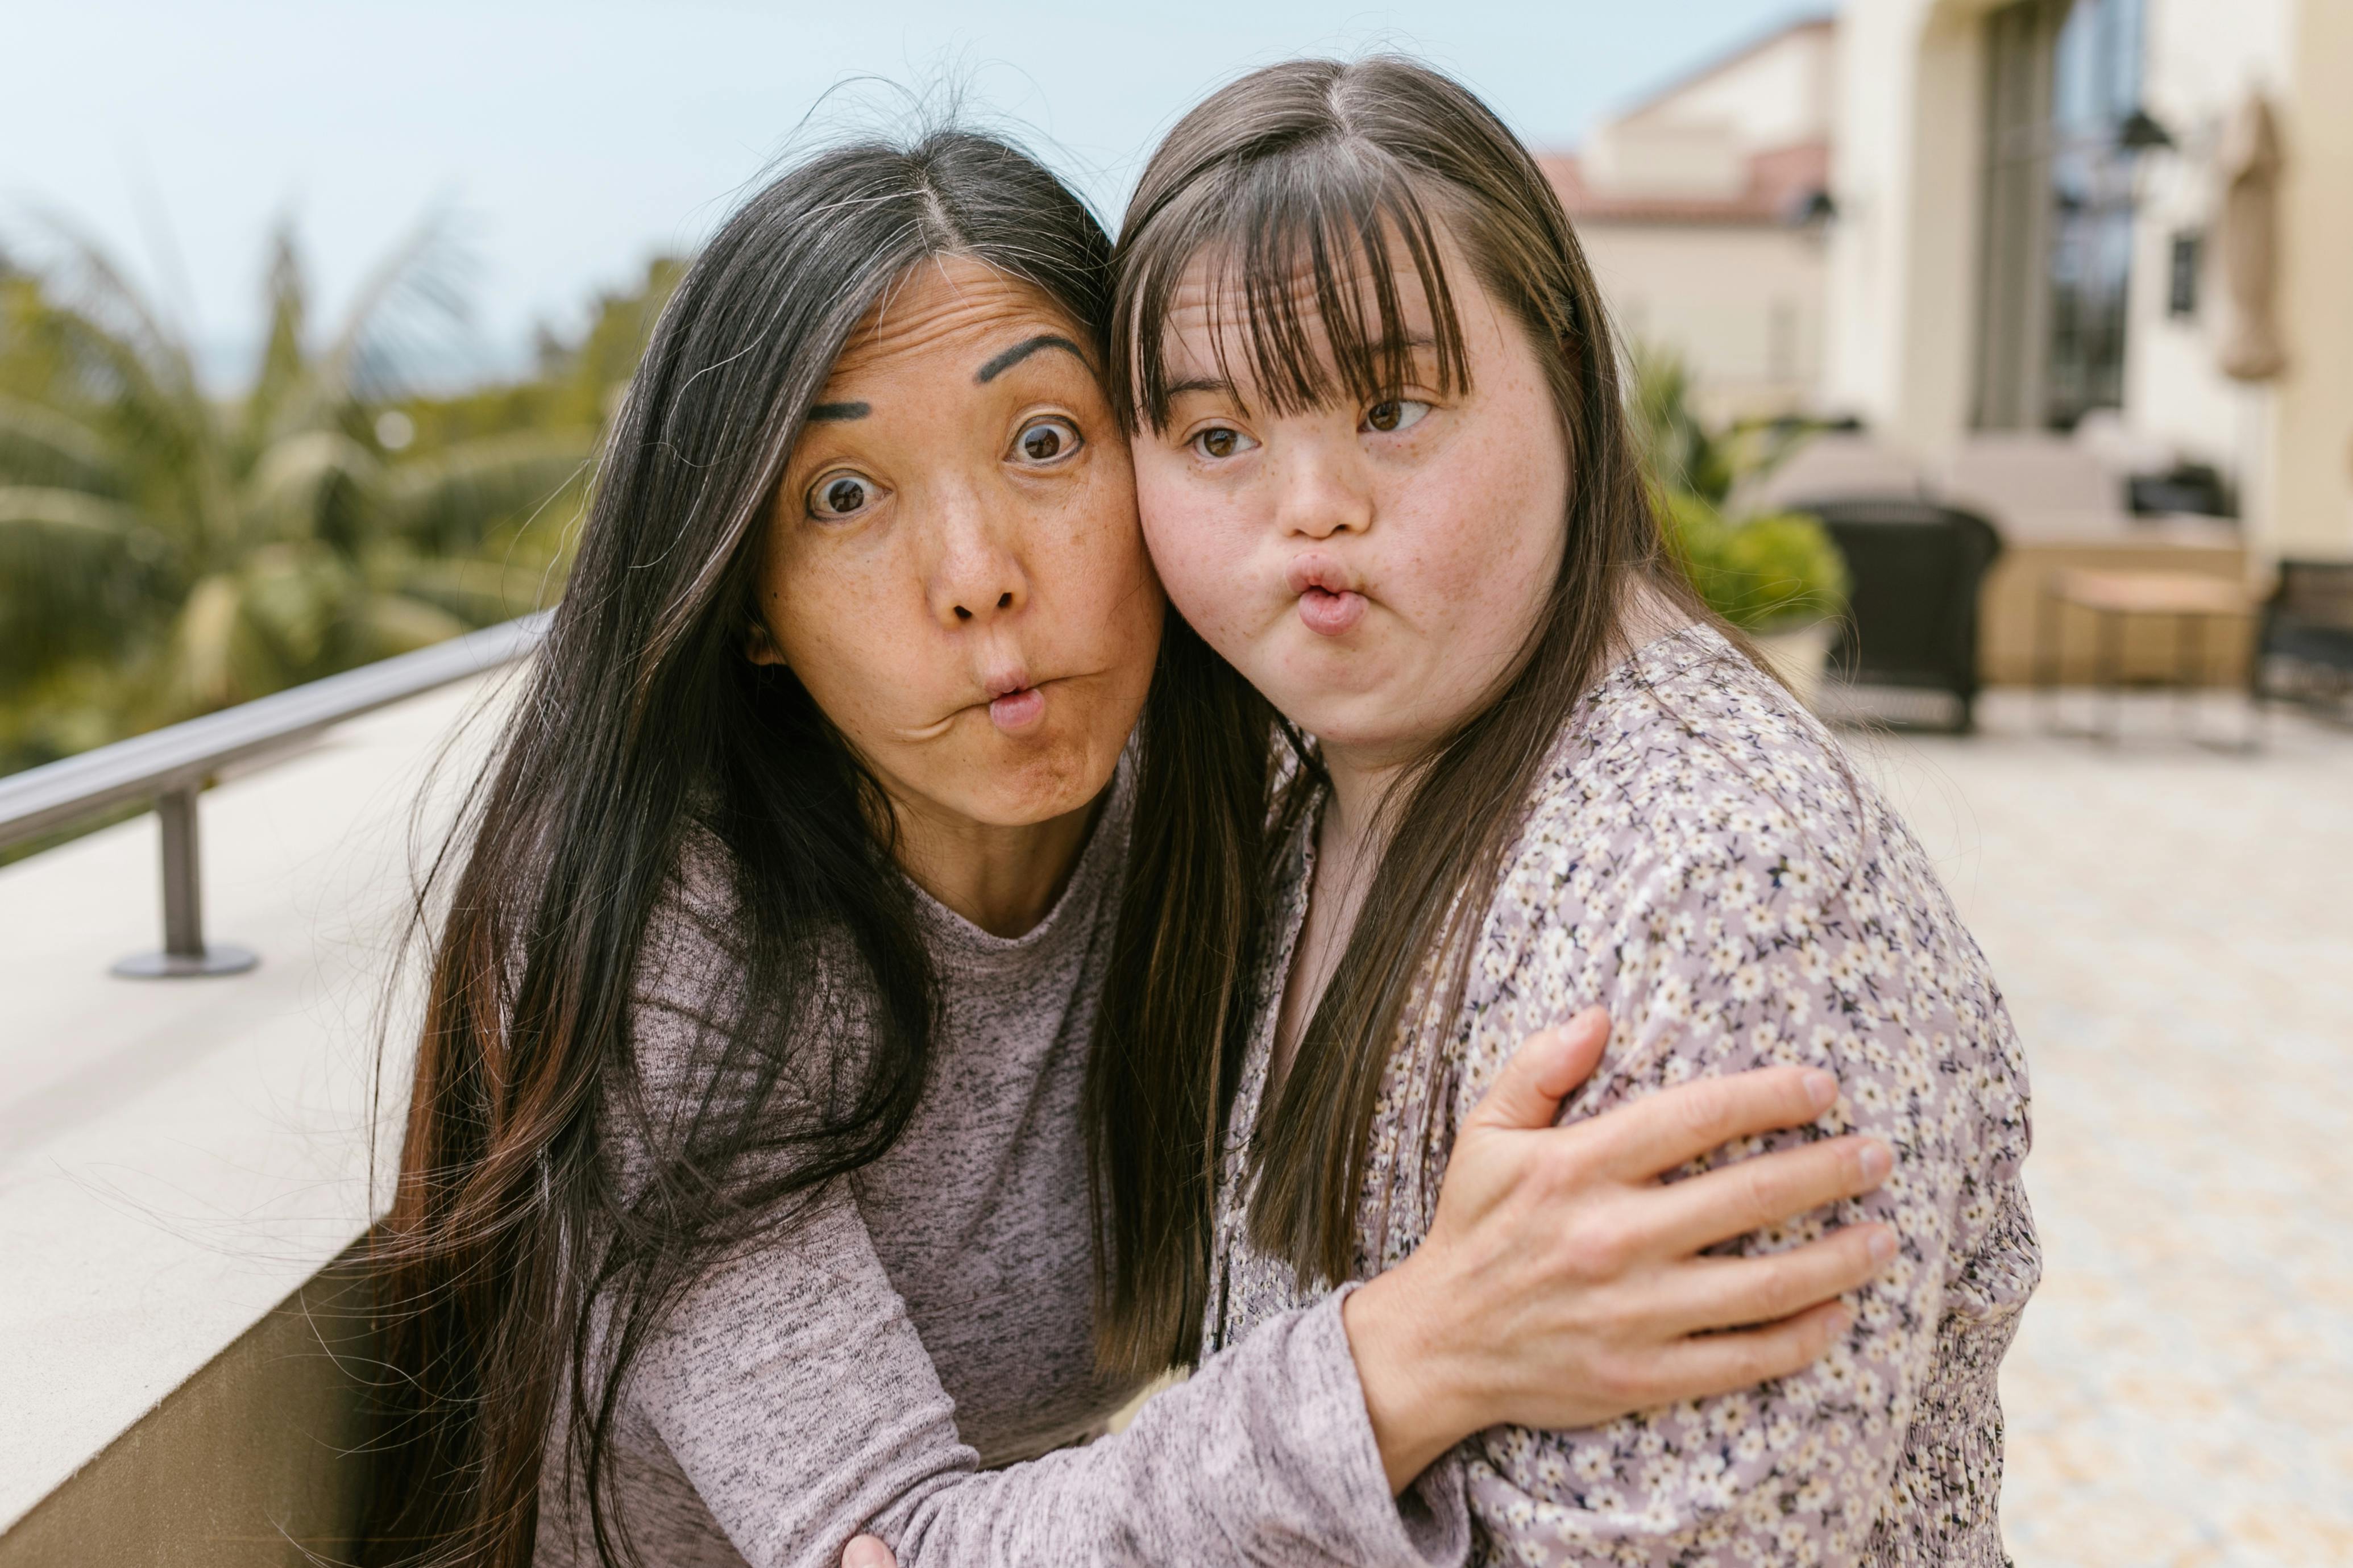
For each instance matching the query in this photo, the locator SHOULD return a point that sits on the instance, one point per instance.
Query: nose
(978, 574)
(1324, 490)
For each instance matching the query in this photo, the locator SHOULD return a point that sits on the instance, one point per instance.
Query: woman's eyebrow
(828, 411)
(1020, 352)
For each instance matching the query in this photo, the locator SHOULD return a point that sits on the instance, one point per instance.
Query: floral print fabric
(1701, 860)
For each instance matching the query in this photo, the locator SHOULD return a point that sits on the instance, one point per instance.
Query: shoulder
(1687, 749)
(1702, 860)
(1685, 775)
(691, 954)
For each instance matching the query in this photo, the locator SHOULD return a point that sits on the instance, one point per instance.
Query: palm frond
(418, 283)
(132, 374)
(397, 623)
(43, 447)
(121, 308)
(204, 645)
(77, 572)
(317, 484)
(277, 380)
(289, 613)
(453, 499)
(476, 591)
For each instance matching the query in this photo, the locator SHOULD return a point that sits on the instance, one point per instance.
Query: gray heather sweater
(932, 1318)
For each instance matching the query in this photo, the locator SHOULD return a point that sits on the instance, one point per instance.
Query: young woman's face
(1373, 570)
(953, 569)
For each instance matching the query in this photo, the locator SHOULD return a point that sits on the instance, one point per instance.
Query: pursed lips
(1330, 598)
(1013, 703)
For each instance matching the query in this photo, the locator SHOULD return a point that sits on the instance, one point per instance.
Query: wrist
(1417, 1394)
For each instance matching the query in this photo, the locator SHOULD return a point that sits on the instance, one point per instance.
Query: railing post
(184, 952)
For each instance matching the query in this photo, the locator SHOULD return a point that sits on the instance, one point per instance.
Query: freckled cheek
(855, 634)
(1096, 567)
(1207, 553)
(1476, 575)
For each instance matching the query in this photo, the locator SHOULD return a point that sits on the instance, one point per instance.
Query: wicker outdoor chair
(2304, 648)
(1912, 621)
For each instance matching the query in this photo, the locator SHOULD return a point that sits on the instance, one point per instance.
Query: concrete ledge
(181, 1159)
(252, 1461)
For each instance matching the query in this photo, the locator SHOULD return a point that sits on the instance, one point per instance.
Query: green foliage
(164, 551)
(1761, 573)
(576, 384)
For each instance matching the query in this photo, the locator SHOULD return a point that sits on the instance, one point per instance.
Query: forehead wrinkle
(894, 329)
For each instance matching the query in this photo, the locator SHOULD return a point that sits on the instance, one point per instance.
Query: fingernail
(1821, 1088)
(1877, 1160)
(1841, 1320)
(1882, 1244)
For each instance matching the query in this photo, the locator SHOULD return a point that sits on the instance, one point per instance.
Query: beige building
(2129, 219)
(1702, 210)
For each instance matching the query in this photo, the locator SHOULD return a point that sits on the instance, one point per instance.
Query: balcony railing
(170, 767)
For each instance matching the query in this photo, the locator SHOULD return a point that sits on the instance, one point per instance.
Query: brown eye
(1220, 441)
(1395, 413)
(1047, 440)
(842, 496)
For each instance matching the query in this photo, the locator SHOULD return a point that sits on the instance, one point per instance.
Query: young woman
(744, 1200)
(1384, 472)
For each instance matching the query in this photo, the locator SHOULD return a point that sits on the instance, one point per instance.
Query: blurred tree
(164, 551)
(576, 383)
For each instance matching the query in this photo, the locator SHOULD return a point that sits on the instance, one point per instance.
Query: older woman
(746, 1199)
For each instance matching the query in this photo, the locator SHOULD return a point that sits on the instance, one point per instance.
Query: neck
(1358, 784)
(1003, 880)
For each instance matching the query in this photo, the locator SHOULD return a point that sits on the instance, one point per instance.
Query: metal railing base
(173, 767)
(220, 958)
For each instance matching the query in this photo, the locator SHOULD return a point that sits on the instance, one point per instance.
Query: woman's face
(953, 569)
(1373, 570)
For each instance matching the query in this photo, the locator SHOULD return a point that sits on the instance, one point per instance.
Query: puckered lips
(1331, 600)
(1015, 706)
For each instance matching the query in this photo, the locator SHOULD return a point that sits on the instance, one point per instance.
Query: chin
(1042, 780)
(1363, 723)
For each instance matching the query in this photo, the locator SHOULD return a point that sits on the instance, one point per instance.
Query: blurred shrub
(1762, 574)
(1765, 574)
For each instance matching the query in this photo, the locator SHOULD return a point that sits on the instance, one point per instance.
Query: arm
(1560, 1281)
(793, 1393)
(795, 1397)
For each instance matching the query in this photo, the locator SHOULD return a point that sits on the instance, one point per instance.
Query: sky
(562, 144)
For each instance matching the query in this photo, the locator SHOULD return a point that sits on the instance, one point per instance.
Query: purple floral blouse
(1701, 860)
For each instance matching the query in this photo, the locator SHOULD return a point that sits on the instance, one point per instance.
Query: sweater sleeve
(794, 1394)
(792, 1390)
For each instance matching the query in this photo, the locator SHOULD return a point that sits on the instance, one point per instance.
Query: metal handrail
(171, 765)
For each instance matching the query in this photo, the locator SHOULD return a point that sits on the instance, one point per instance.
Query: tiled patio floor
(2174, 930)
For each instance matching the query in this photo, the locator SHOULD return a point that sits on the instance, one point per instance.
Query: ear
(760, 647)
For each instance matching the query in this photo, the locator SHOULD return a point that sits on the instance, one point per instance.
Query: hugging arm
(797, 1397)
(1561, 1284)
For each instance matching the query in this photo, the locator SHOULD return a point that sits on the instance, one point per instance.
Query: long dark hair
(520, 1274)
(1311, 184)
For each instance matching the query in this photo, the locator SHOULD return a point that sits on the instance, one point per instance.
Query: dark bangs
(1305, 240)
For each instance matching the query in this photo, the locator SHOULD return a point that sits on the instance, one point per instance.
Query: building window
(2061, 78)
(2181, 280)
